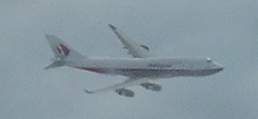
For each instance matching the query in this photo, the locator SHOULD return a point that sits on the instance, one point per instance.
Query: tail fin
(61, 51)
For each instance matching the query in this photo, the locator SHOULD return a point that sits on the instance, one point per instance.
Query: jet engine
(125, 92)
(151, 86)
(145, 47)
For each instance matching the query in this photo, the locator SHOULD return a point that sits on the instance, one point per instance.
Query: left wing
(135, 49)
(127, 83)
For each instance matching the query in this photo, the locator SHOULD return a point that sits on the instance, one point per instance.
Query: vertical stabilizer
(61, 51)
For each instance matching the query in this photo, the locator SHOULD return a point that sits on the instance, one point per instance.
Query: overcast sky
(225, 30)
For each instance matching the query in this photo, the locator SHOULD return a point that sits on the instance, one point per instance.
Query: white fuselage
(140, 69)
(150, 67)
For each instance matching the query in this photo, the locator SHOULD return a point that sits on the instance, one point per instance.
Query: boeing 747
(140, 70)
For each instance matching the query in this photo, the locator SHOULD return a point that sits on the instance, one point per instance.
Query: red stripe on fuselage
(97, 70)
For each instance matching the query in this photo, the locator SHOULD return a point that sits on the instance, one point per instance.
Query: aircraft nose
(220, 67)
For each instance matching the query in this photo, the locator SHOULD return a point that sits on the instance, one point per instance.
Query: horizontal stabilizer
(55, 64)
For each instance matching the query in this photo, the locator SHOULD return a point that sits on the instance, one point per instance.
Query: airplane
(141, 69)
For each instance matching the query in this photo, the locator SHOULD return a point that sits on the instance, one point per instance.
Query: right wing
(126, 83)
(136, 50)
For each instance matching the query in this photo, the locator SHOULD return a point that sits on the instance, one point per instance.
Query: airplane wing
(134, 49)
(126, 83)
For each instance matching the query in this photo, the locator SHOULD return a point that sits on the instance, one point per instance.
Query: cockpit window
(209, 60)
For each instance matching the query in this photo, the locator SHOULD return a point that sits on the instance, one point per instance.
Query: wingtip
(112, 26)
(48, 36)
(46, 68)
(88, 91)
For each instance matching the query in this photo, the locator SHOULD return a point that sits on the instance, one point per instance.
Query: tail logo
(62, 49)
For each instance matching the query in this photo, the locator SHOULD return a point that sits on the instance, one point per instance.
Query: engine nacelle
(151, 86)
(145, 47)
(125, 92)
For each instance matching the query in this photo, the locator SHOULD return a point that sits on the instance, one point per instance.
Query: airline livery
(140, 70)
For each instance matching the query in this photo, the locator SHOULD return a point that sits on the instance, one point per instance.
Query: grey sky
(225, 30)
